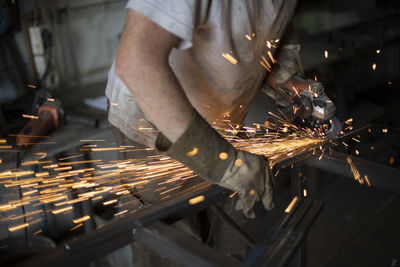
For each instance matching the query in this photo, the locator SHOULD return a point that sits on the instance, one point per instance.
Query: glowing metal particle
(304, 192)
(291, 205)
(120, 213)
(326, 53)
(38, 232)
(109, 202)
(233, 194)
(193, 152)
(374, 66)
(18, 227)
(223, 155)
(271, 57)
(230, 58)
(62, 210)
(238, 163)
(196, 200)
(367, 180)
(81, 219)
(30, 117)
(354, 169)
(76, 226)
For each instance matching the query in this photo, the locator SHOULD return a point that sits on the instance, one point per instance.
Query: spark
(248, 37)
(109, 202)
(38, 232)
(354, 169)
(223, 155)
(265, 66)
(81, 219)
(76, 226)
(230, 58)
(326, 53)
(268, 66)
(385, 130)
(120, 176)
(61, 210)
(305, 192)
(50, 99)
(349, 121)
(120, 213)
(30, 117)
(18, 227)
(71, 157)
(196, 200)
(374, 66)
(378, 51)
(391, 160)
(273, 60)
(31, 86)
(291, 205)
(193, 152)
(367, 180)
(238, 163)
(107, 148)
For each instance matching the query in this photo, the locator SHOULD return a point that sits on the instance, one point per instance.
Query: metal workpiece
(110, 237)
(379, 175)
(287, 238)
(176, 246)
(228, 220)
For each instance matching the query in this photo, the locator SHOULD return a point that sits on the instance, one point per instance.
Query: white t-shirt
(217, 60)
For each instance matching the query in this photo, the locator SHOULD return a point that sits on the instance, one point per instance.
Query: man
(183, 65)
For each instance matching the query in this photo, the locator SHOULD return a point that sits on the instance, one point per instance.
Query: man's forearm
(142, 63)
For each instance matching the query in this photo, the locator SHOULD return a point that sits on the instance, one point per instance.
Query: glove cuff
(202, 149)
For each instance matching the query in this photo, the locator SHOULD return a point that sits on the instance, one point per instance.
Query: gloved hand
(209, 155)
(289, 62)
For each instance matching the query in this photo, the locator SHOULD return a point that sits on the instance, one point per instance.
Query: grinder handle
(286, 89)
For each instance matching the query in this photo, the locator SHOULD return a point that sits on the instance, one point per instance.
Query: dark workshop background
(359, 224)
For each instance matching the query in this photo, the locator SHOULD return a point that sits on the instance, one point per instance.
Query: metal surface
(114, 235)
(379, 175)
(180, 248)
(226, 219)
(289, 237)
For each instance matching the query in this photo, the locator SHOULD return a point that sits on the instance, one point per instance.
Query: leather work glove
(289, 62)
(214, 159)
